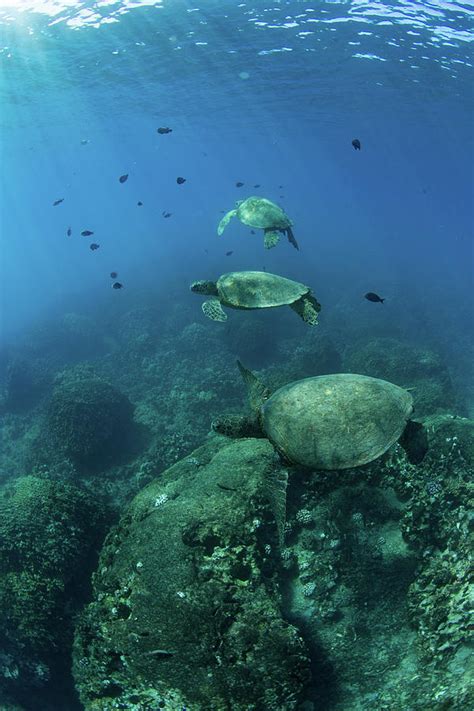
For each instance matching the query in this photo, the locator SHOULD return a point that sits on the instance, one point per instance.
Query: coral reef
(88, 421)
(48, 534)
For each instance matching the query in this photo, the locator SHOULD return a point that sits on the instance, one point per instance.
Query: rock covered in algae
(88, 420)
(186, 609)
(48, 530)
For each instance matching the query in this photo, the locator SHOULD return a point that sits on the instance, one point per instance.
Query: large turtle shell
(262, 214)
(336, 421)
(258, 290)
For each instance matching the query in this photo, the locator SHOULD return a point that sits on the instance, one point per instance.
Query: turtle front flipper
(291, 238)
(307, 308)
(271, 238)
(213, 310)
(225, 221)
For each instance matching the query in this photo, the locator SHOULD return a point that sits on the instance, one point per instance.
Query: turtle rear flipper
(291, 238)
(307, 308)
(213, 310)
(257, 391)
(271, 238)
(225, 221)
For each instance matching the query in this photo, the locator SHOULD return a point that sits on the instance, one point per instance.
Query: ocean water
(262, 98)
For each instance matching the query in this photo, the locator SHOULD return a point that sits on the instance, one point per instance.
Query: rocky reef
(352, 595)
(199, 603)
(186, 610)
(48, 535)
(88, 420)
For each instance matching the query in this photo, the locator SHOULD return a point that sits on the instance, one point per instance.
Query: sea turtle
(261, 214)
(331, 421)
(256, 290)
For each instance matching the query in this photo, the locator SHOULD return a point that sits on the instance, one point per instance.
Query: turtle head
(209, 288)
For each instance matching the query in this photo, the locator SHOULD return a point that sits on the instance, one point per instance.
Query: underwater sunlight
(236, 355)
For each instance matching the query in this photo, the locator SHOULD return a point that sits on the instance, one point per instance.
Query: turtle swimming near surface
(331, 421)
(263, 214)
(256, 290)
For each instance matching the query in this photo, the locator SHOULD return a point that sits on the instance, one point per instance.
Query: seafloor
(148, 563)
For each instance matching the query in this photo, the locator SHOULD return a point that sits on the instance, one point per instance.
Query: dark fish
(58, 202)
(86, 233)
(239, 184)
(69, 232)
(117, 285)
(356, 144)
(252, 232)
(114, 275)
(94, 246)
(370, 296)
(264, 269)
(139, 203)
(166, 214)
(84, 142)
(123, 178)
(280, 187)
(180, 181)
(257, 185)
(206, 251)
(227, 254)
(164, 129)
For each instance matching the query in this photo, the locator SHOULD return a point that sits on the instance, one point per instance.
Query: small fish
(69, 232)
(257, 185)
(206, 251)
(114, 275)
(58, 202)
(86, 233)
(227, 254)
(356, 144)
(139, 203)
(123, 178)
(85, 141)
(264, 268)
(238, 184)
(180, 181)
(370, 296)
(166, 214)
(94, 246)
(280, 187)
(164, 129)
(117, 285)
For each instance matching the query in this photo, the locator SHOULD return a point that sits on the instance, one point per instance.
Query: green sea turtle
(256, 290)
(331, 421)
(261, 214)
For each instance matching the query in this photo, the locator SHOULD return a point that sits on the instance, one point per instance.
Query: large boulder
(186, 607)
(88, 421)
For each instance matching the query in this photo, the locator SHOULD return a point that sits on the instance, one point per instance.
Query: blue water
(270, 92)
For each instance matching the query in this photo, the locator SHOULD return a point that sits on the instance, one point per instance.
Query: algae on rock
(186, 609)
